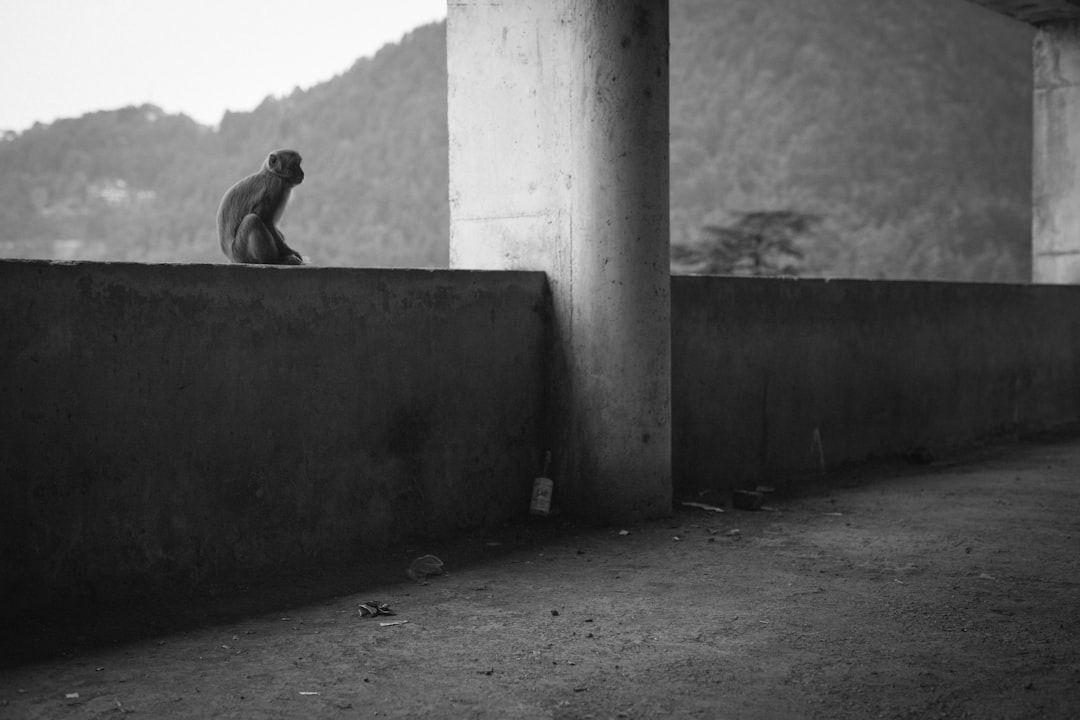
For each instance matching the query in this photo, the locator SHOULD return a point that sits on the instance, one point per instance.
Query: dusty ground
(941, 591)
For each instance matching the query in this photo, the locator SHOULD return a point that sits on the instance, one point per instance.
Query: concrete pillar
(558, 115)
(1056, 155)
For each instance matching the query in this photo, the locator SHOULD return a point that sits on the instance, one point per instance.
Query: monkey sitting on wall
(251, 209)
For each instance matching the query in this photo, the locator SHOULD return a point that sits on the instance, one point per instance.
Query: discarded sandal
(372, 608)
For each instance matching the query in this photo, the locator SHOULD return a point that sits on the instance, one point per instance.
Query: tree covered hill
(137, 184)
(904, 126)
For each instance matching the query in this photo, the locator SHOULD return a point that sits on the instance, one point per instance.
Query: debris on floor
(542, 490)
(424, 566)
(372, 608)
(704, 506)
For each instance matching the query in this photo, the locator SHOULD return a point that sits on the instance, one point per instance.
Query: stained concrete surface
(165, 425)
(774, 379)
(162, 424)
(946, 590)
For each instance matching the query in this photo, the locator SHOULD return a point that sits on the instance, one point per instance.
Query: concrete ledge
(165, 423)
(1034, 12)
(774, 380)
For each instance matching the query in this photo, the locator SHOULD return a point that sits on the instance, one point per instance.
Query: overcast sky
(64, 58)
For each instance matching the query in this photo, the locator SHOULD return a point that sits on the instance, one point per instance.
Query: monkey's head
(286, 165)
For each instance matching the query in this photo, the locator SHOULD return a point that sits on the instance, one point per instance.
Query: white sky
(64, 58)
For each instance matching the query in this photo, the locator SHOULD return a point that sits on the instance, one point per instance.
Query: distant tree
(754, 243)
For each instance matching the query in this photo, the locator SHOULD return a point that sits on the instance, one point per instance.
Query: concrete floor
(940, 591)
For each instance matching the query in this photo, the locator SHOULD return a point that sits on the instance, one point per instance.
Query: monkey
(251, 209)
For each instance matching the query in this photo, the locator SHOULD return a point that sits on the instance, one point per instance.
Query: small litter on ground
(372, 608)
(704, 506)
(424, 566)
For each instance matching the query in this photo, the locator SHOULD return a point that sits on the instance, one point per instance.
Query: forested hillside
(905, 127)
(136, 184)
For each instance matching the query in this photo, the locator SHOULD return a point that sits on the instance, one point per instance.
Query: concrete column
(558, 115)
(1056, 155)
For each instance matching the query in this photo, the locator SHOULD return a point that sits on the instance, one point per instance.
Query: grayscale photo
(540, 359)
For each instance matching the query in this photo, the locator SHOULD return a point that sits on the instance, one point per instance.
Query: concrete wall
(162, 424)
(771, 377)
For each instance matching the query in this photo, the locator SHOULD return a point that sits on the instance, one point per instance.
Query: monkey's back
(248, 196)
